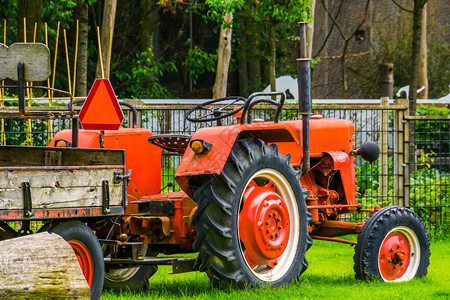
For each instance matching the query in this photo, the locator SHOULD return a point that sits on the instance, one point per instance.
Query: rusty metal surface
(32, 168)
(337, 228)
(179, 264)
(323, 238)
(45, 214)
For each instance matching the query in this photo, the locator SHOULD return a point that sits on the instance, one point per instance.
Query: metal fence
(413, 169)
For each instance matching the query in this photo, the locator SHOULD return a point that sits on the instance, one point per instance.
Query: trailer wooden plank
(43, 198)
(39, 156)
(53, 178)
(59, 188)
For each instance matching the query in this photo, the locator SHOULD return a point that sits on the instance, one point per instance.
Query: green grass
(329, 276)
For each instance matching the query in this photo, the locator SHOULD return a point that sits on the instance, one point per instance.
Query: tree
(223, 10)
(81, 12)
(423, 64)
(31, 10)
(107, 30)
(270, 14)
(310, 30)
(417, 12)
(346, 38)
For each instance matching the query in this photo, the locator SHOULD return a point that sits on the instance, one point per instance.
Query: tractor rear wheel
(392, 245)
(133, 279)
(88, 251)
(252, 222)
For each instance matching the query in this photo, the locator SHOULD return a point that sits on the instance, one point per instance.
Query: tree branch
(329, 33)
(333, 19)
(402, 8)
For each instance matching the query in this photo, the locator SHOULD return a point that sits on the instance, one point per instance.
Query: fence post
(406, 155)
(136, 103)
(386, 79)
(384, 168)
(399, 134)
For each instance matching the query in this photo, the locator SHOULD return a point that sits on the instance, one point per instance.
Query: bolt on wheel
(269, 210)
(399, 254)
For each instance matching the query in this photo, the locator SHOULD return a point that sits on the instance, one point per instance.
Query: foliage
(433, 134)
(199, 62)
(430, 198)
(218, 8)
(8, 13)
(280, 11)
(145, 73)
(429, 193)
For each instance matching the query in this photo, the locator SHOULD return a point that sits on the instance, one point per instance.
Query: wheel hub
(394, 256)
(264, 224)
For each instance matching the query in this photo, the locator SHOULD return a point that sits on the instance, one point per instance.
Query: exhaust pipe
(304, 95)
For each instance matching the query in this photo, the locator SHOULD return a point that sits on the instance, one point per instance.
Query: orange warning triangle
(101, 111)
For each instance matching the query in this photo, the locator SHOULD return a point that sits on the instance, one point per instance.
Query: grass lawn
(329, 276)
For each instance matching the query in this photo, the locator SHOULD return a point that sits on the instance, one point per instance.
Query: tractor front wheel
(252, 222)
(393, 245)
(88, 252)
(133, 279)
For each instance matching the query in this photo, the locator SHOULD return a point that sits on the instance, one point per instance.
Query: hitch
(118, 177)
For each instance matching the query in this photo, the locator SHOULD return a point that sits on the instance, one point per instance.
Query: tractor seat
(171, 142)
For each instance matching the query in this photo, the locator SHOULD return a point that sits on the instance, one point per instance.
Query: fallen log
(40, 266)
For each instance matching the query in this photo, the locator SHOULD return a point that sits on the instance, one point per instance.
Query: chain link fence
(413, 169)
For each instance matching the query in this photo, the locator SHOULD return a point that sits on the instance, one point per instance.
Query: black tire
(80, 234)
(133, 279)
(220, 201)
(393, 245)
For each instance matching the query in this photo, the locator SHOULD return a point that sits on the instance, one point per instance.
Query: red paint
(325, 135)
(264, 224)
(101, 111)
(84, 259)
(394, 256)
(142, 157)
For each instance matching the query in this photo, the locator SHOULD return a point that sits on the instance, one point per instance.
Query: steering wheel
(214, 113)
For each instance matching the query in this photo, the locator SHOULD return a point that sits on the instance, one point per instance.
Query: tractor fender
(346, 167)
(222, 139)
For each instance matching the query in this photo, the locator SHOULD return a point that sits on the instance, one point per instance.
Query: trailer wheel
(393, 245)
(88, 251)
(133, 279)
(252, 222)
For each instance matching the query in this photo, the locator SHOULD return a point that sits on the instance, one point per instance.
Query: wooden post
(386, 79)
(40, 266)
(135, 103)
(384, 169)
(399, 152)
(406, 157)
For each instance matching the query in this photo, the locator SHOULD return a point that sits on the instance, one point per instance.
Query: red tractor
(255, 194)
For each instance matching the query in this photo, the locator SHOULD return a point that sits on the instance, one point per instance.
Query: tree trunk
(223, 58)
(272, 55)
(83, 16)
(32, 11)
(254, 69)
(40, 266)
(310, 31)
(243, 75)
(147, 25)
(415, 55)
(109, 16)
(423, 74)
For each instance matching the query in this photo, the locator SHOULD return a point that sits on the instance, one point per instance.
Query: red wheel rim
(264, 225)
(394, 256)
(84, 259)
